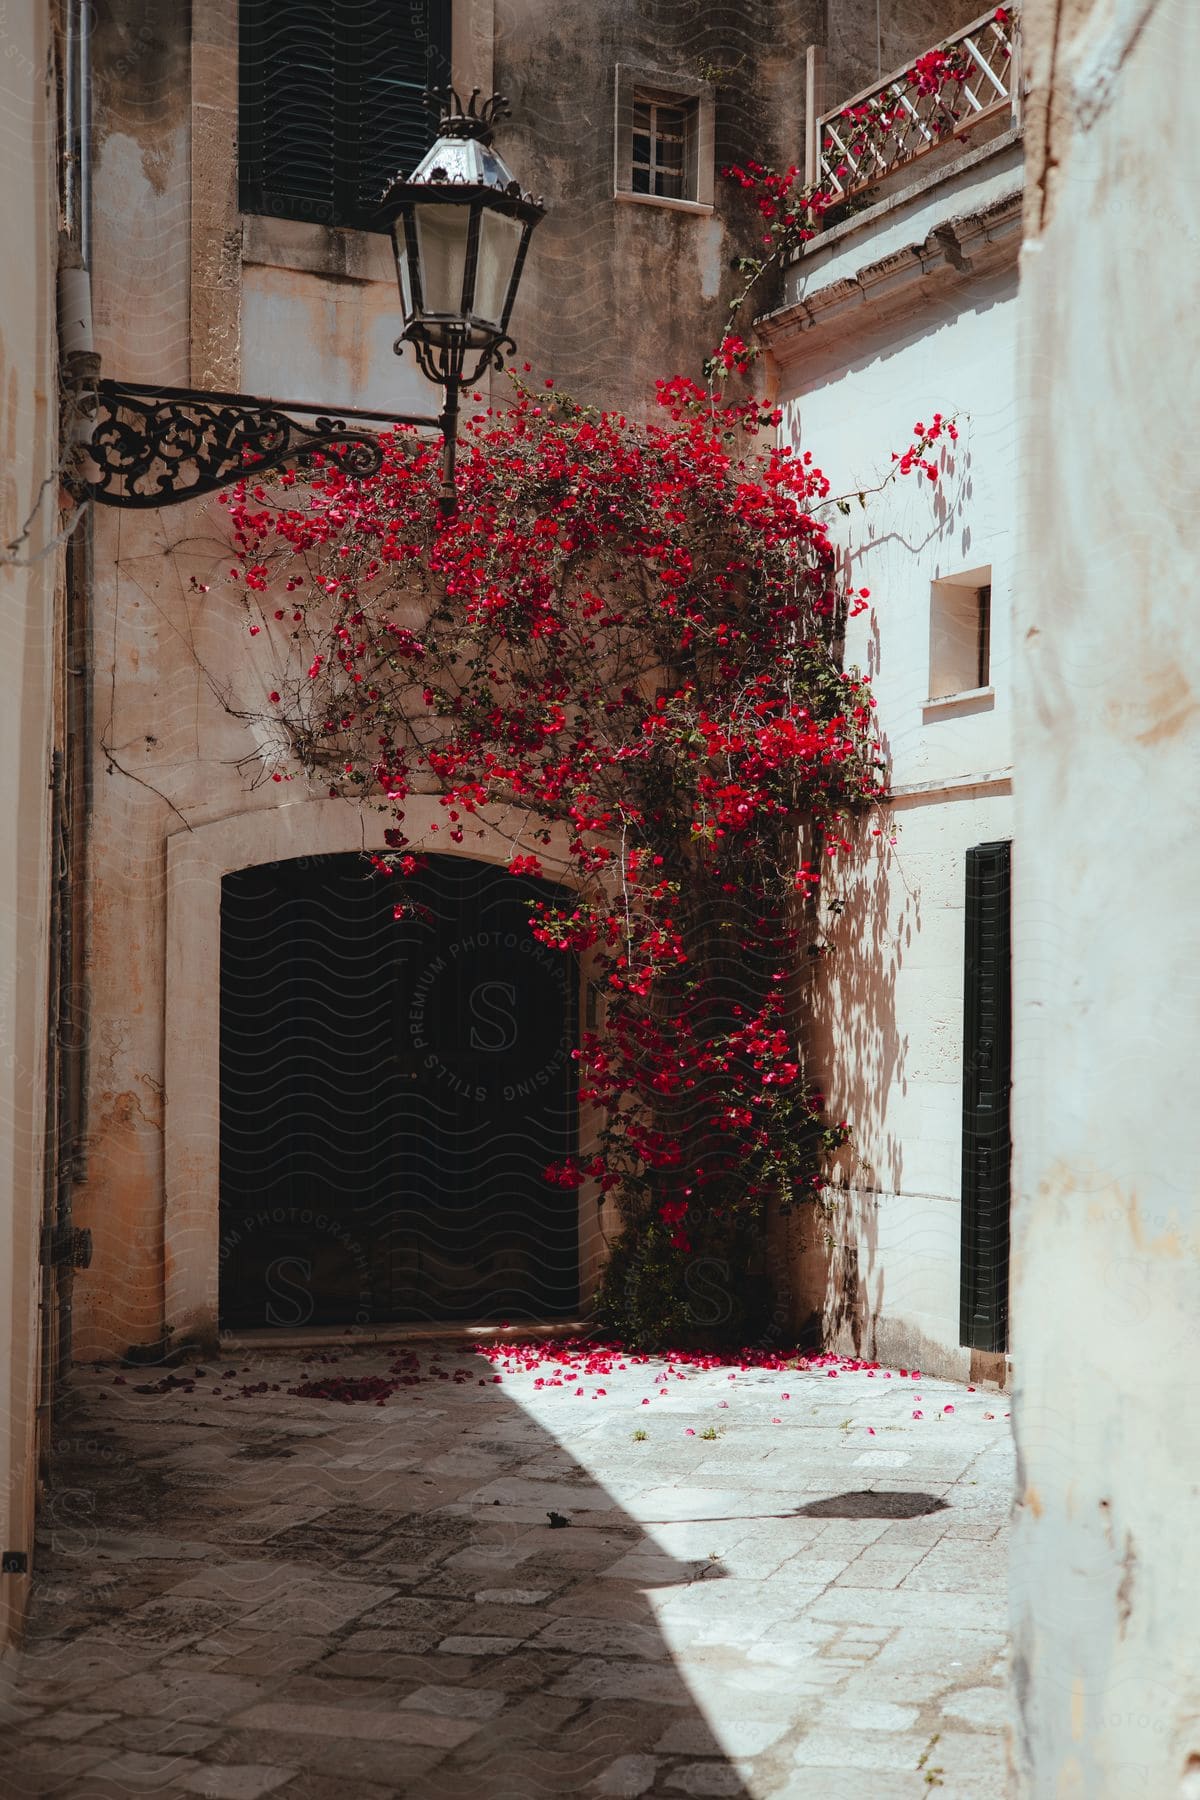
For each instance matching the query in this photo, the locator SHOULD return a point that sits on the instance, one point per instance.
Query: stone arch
(197, 861)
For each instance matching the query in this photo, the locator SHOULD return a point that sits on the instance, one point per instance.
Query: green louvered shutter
(395, 53)
(987, 1078)
(287, 149)
(331, 102)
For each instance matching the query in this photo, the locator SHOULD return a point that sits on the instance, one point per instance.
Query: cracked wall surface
(188, 291)
(31, 576)
(1107, 728)
(907, 310)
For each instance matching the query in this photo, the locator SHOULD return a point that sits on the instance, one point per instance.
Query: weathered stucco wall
(140, 289)
(865, 38)
(186, 289)
(1107, 646)
(872, 339)
(140, 62)
(30, 586)
(618, 293)
(614, 293)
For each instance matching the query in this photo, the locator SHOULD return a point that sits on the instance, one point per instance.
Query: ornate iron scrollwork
(447, 364)
(158, 446)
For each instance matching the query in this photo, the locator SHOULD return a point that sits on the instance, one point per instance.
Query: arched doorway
(392, 1091)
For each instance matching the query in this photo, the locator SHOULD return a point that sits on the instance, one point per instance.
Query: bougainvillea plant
(625, 644)
(870, 133)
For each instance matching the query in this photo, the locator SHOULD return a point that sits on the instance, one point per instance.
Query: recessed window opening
(664, 140)
(663, 127)
(960, 622)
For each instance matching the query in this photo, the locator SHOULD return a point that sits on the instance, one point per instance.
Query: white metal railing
(946, 93)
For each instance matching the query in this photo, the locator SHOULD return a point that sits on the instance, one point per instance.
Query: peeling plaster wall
(189, 291)
(142, 682)
(868, 38)
(30, 611)
(618, 293)
(874, 338)
(141, 228)
(1107, 647)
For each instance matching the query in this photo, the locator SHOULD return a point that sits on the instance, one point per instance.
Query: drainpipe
(63, 1248)
(80, 352)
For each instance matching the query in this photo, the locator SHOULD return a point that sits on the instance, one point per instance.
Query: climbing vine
(624, 646)
(869, 132)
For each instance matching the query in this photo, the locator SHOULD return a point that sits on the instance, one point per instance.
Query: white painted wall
(30, 575)
(888, 1002)
(1106, 1568)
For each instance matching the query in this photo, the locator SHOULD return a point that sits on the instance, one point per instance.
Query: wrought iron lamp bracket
(157, 446)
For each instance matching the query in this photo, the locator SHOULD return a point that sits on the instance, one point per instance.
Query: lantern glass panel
(499, 242)
(400, 238)
(442, 247)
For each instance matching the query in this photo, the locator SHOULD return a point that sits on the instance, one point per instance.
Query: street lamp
(461, 227)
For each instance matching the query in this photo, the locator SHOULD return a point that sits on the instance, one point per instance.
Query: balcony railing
(949, 92)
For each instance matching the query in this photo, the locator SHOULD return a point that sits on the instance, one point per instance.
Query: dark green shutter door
(288, 148)
(331, 102)
(987, 1074)
(395, 52)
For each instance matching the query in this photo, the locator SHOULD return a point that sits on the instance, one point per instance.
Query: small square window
(960, 624)
(664, 139)
(663, 133)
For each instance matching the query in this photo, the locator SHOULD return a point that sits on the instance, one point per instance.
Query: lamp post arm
(448, 498)
(153, 446)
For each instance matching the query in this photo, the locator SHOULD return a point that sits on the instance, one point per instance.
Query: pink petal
(689, 1432)
(947, 1409)
(918, 1414)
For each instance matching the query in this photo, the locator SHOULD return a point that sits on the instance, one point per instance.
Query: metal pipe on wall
(71, 794)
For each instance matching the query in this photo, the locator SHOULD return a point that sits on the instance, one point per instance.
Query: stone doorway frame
(197, 861)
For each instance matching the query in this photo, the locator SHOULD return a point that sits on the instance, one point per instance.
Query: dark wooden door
(391, 1094)
(987, 1082)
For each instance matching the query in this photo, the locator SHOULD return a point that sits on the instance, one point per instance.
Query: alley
(783, 1582)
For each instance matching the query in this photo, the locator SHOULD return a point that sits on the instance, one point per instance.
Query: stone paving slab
(278, 1596)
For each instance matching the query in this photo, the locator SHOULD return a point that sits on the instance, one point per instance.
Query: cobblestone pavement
(245, 1594)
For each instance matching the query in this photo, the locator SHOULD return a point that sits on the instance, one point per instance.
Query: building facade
(33, 707)
(250, 270)
(1033, 688)
(905, 309)
(1106, 1663)
(196, 190)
